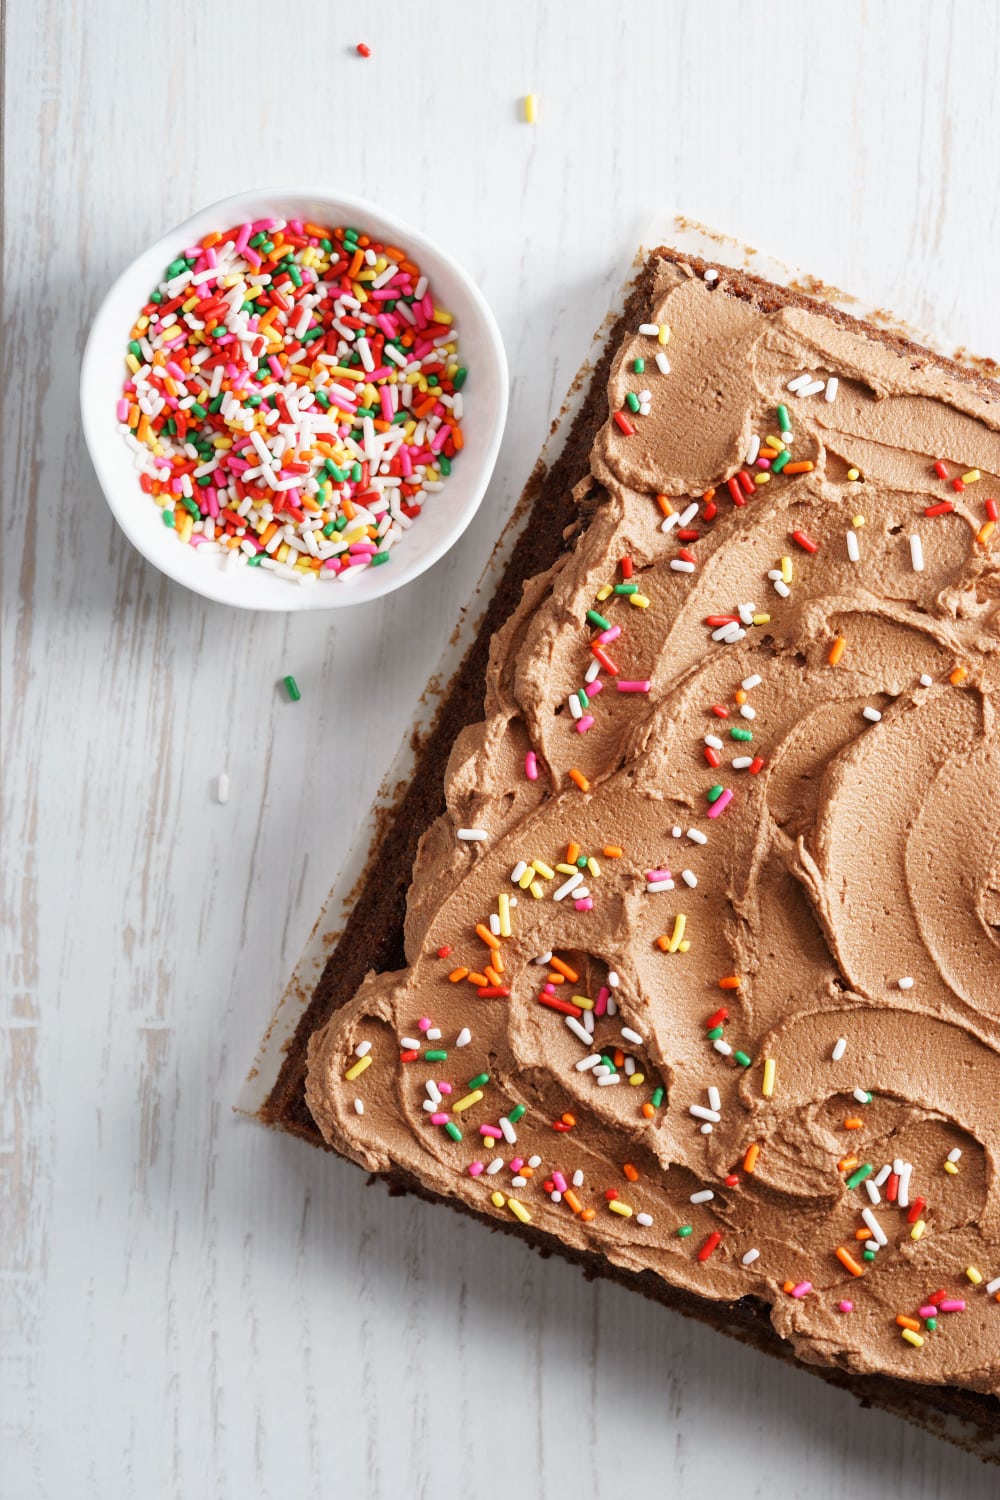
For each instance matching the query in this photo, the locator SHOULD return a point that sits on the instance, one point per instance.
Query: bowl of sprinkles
(293, 401)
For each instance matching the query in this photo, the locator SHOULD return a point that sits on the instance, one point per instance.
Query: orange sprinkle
(729, 982)
(458, 439)
(959, 675)
(648, 1110)
(554, 978)
(572, 853)
(847, 1163)
(487, 936)
(905, 1322)
(630, 1172)
(580, 779)
(852, 1123)
(457, 974)
(663, 941)
(526, 1171)
(612, 851)
(708, 497)
(477, 979)
(665, 505)
(569, 1197)
(740, 696)
(564, 969)
(801, 468)
(498, 962)
(750, 1160)
(862, 1234)
(837, 650)
(848, 1262)
(985, 532)
(588, 1214)
(491, 974)
(618, 1057)
(211, 239)
(569, 1120)
(788, 1286)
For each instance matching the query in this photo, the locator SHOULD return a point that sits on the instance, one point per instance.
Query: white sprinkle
(697, 837)
(494, 924)
(433, 1092)
(714, 1097)
(589, 1024)
(509, 1133)
(750, 1257)
(662, 362)
(496, 1165)
(645, 407)
(903, 1192)
(711, 275)
(872, 715)
(362, 1049)
(652, 886)
(464, 1037)
(752, 450)
(543, 958)
(594, 670)
(797, 382)
(578, 1178)
(574, 706)
(992, 1287)
(555, 1196)
(721, 632)
(689, 878)
(518, 1181)
(222, 788)
(774, 574)
(613, 979)
(429, 1106)
(631, 1036)
(853, 550)
(746, 613)
(906, 983)
(872, 1191)
(878, 1232)
(580, 1032)
(534, 1161)
(568, 885)
(473, 835)
(839, 1048)
(740, 762)
(359, 1107)
(688, 515)
(644, 1219)
(751, 682)
(609, 1079)
(714, 741)
(680, 566)
(409, 1044)
(955, 1154)
(781, 588)
(701, 1113)
(723, 1047)
(650, 330)
(433, 1033)
(926, 679)
(747, 711)
(831, 388)
(871, 1244)
(676, 831)
(645, 395)
(882, 1175)
(669, 522)
(704, 1196)
(862, 1096)
(518, 871)
(812, 389)
(629, 1066)
(917, 553)
(707, 1128)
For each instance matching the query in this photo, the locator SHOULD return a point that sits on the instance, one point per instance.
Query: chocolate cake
(682, 951)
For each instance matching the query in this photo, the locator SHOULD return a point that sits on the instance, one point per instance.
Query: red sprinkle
(563, 1006)
(992, 511)
(943, 508)
(686, 555)
(364, 49)
(444, 951)
(919, 1204)
(732, 485)
(561, 1126)
(604, 659)
(626, 567)
(710, 511)
(716, 1018)
(805, 542)
(732, 1180)
(688, 534)
(408, 1056)
(755, 765)
(746, 481)
(892, 1187)
(624, 424)
(611, 1194)
(711, 756)
(940, 470)
(493, 992)
(713, 1240)
(715, 621)
(958, 485)
(720, 710)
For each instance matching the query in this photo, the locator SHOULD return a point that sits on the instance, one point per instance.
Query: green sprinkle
(777, 464)
(135, 348)
(292, 689)
(215, 404)
(685, 1230)
(869, 1255)
(199, 410)
(444, 464)
(931, 1323)
(295, 274)
(581, 863)
(657, 1098)
(783, 420)
(175, 268)
(378, 558)
(632, 401)
(168, 516)
(356, 473)
(479, 1080)
(715, 1033)
(329, 528)
(740, 734)
(584, 702)
(858, 1177)
(204, 481)
(461, 375)
(743, 1060)
(626, 588)
(608, 1062)
(452, 1129)
(436, 1054)
(191, 507)
(639, 366)
(595, 619)
(714, 792)
(515, 1114)
(256, 560)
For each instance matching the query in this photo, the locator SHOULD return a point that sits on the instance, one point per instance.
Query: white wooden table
(192, 1306)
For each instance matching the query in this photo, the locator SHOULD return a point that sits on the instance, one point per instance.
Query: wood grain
(190, 1305)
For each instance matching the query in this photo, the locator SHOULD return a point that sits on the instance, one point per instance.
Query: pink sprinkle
(601, 1004)
(531, 766)
(358, 560)
(846, 1307)
(122, 410)
(424, 1024)
(631, 687)
(475, 1168)
(439, 1119)
(803, 1289)
(930, 1311)
(720, 804)
(246, 230)
(516, 1163)
(584, 723)
(560, 1181)
(386, 401)
(585, 905)
(595, 687)
(953, 1304)
(444, 1086)
(763, 463)
(658, 875)
(491, 1132)
(548, 989)
(607, 636)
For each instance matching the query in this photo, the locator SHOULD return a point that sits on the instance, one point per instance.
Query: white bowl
(440, 523)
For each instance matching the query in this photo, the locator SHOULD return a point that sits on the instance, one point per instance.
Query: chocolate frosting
(862, 851)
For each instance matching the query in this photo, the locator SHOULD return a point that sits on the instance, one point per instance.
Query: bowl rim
(215, 583)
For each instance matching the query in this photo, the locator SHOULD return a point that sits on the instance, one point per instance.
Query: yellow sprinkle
(544, 870)
(680, 922)
(527, 878)
(343, 372)
(974, 1275)
(132, 363)
(854, 473)
(639, 600)
(776, 443)
(917, 1232)
(519, 1211)
(683, 947)
(536, 889)
(971, 476)
(356, 1069)
(583, 1001)
(467, 1102)
(857, 521)
(762, 619)
(786, 570)
(497, 1200)
(767, 1085)
(636, 1079)
(604, 592)
(594, 868)
(531, 109)
(663, 333)
(762, 478)
(617, 1207)
(913, 1338)
(567, 869)
(503, 903)
(951, 1168)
